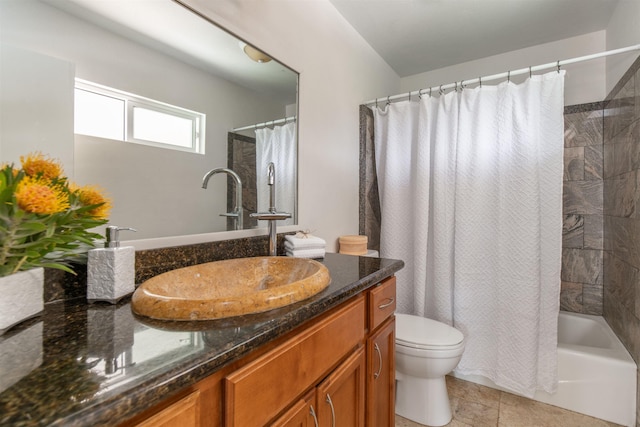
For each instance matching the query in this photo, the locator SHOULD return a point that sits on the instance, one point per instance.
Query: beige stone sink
(229, 288)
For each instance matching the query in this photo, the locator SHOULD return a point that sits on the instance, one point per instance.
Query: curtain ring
(480, 79)
(388, 101)
(529, 71)
(430, 92)
(409, 96)
(441, 92)
(376, 102)
(509, 76)
(456, 88)
(461, 85)
(558, 66)
(420, 94)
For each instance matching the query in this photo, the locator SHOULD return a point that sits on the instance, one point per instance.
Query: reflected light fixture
(255, 54)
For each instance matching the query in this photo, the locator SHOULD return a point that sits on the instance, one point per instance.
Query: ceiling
(174, 30)
(415, 36)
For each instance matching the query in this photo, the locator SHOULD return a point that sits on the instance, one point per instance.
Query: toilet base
(423, 400)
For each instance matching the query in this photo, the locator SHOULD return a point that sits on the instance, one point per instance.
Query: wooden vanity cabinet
(381, 366)
(301, 414)
(259, 391)
(336, 371)
(338, 401)
(183, 413)
(340, 398)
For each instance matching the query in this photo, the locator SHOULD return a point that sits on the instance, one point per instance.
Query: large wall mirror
(161, 54)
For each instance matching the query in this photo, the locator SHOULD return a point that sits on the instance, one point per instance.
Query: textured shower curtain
(277, 145)
(471, 196)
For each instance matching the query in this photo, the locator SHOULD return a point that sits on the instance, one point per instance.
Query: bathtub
(597, 376)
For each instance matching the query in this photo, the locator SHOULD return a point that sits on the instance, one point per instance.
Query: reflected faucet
(237, 209)
(273, 215)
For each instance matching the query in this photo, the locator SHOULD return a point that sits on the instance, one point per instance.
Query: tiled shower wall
(622, 211)
(582, 231)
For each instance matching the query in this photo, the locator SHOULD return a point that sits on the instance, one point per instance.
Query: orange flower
(36, 164)
(93, 195)
(35, 196)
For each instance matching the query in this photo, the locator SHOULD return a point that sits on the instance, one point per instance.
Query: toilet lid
(419, 332)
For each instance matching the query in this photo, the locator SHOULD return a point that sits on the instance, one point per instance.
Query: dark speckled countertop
(93, 365)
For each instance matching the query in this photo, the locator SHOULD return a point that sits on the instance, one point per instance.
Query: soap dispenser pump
(111, 270)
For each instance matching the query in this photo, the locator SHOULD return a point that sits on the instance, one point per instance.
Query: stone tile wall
(622, 212)
(369, 224)
(582, 231)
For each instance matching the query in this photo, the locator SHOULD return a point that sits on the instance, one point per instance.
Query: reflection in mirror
(171, 66)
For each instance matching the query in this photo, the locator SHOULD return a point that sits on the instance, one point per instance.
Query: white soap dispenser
(111, 270)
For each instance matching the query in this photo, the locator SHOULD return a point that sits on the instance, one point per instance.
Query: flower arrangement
(45, 219)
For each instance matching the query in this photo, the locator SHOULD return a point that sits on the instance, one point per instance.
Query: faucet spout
(273, 215)
(271, 181)
(237, 209)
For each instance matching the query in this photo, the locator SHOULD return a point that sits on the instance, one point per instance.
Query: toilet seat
(426, 334)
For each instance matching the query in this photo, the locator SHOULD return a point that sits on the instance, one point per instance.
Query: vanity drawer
(382, 302)
(260, 390)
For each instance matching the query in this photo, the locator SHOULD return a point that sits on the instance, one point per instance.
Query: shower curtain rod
(508, 75)
(265, 124)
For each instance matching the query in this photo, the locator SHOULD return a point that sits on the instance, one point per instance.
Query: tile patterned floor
(474, 405)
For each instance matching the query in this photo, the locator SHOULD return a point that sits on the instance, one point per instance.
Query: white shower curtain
(471, 196)
(277, 145)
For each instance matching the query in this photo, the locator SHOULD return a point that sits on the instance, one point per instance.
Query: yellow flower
(36, 164)
(93, 195)
(35, 196)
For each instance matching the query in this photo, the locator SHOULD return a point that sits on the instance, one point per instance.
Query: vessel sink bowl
(229, 288)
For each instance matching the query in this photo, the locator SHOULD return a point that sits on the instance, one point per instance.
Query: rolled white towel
(302, 240)
(306, 253)
(290, 247)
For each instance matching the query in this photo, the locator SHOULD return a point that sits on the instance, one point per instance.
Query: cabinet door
(302, 414)
(381, 370)
(183, 413)
(340, 397)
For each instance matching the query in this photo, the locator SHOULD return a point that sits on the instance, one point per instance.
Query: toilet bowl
(426, 350)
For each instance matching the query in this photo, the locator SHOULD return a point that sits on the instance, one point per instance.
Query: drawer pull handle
(377, 349)
(333, 412)
(387, 304)
(313, 414)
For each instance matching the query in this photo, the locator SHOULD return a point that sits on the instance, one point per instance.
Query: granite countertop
(85, 364)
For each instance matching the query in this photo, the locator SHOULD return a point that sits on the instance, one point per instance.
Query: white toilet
(426, 350)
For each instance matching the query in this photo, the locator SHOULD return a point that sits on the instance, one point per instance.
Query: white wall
(35, 86)
(338, 71)
(585, 81)
(623, 30)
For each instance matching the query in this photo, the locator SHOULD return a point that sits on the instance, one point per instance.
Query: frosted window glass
(99, 115)
(151, 125)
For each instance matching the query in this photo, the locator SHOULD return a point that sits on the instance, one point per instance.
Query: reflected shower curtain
(277, 145)
(471, 196)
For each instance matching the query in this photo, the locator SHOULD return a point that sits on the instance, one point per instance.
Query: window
(109, 113)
